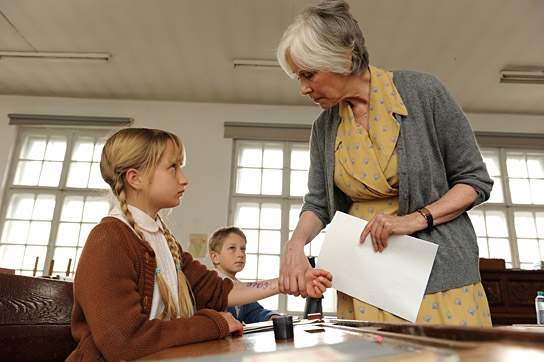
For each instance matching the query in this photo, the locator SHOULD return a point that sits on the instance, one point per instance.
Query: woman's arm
(294, 262)
(316, 281)
(448, 207)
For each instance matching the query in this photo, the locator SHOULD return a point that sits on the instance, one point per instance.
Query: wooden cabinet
(511, 294)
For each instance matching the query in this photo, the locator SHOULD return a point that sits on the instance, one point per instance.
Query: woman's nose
(304, 87)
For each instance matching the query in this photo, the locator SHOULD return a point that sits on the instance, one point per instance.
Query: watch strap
(427, 215)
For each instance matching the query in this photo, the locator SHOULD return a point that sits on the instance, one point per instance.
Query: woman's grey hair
(324, 37)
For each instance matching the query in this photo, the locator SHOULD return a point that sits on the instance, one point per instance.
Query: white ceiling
(183, 50)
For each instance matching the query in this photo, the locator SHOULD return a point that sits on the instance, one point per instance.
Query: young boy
(228, 253)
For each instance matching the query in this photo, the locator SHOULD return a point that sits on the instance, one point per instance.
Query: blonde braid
(185, 293)
(170, 308)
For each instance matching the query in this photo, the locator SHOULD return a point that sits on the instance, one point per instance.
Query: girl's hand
(235, 327)
(317, 281)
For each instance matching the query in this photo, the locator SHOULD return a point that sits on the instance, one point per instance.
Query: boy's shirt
(248, 313)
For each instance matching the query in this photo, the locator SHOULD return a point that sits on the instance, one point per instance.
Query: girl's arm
(316, 282)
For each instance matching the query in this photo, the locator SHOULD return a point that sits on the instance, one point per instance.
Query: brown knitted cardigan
(113, 290)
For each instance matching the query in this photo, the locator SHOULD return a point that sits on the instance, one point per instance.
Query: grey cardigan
(436, 150)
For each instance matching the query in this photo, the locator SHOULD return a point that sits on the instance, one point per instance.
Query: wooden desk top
(358, 342)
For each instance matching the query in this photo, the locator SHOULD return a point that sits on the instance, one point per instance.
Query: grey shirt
(436, 150)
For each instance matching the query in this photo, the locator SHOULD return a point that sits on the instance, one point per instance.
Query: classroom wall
(204, 206)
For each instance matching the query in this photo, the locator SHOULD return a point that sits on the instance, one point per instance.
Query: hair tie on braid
(178, 267)
(157, 271)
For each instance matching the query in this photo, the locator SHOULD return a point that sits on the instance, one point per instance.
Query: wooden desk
(400, 342)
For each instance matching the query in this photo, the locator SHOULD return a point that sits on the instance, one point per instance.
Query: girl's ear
(133, 179)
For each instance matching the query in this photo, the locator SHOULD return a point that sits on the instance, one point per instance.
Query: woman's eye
(307, 75)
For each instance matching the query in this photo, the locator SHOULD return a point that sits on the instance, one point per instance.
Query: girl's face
(326, 89)
(167, 183)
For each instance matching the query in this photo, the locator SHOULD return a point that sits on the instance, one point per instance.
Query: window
(269, 181)
(54, 196)
(510, 225)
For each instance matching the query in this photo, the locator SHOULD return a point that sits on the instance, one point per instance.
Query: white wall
(204, 206)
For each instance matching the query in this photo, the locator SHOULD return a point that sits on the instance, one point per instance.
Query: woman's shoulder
(411, 78)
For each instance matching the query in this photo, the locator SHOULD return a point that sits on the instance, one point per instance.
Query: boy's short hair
(218, 237)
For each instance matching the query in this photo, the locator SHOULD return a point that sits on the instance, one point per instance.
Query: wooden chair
(35, 318)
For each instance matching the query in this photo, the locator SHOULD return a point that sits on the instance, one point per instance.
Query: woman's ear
(133, 179)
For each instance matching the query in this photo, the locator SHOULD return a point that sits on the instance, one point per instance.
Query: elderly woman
(393, 148)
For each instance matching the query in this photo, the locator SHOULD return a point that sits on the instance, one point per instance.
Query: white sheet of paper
(393, 280)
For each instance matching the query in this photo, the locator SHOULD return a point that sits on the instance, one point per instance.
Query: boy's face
(232, 257)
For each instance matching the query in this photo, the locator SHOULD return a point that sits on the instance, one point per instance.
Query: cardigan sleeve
(109, 317)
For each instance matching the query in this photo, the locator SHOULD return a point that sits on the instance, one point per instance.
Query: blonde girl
(136, 291)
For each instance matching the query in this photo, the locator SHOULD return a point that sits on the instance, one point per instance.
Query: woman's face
(326, 89)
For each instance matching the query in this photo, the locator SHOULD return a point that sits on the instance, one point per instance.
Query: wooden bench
(35, 318)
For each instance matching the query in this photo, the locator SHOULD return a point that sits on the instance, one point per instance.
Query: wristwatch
(428, 216)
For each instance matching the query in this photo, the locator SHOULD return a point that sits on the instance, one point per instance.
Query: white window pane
(272, 182)
(500, 249)
(299, 183)
(11, 256)
(294, 214)
(516, 165)
(247, 215)
(56, 149)
(20, 206)
(270, 216)
(95, 209)
(83, 149)
(252, 237)
(15, 232)
(97, 155)
(300, 158)
(478, 221)
(250, 270)
(251, 156)
(84, 233)
(68, 234)
(270, 242)
(62, 259)
(329, 302)
(31, 252)
(520, 191)
(296, 304)
(540, 224)
(72, 209)
(528, 251)
(44, 207)
(268, 267)
(78, 174)
(316, 244)
(27, 173)
(50, 174)
(33, 148)
(537, 191)
(497, 193)
(496, 224)
(39, 232)
(248, 181)
(482, 248)
(270, 303)
(95, 179)
(273, 156)
(491, 159)
(525, 225)
(535, 164)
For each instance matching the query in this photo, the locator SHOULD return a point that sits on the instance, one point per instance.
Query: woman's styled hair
(218, 237)
(324, 37)
(141, 149)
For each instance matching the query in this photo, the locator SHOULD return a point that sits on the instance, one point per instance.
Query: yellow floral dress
(366, 169)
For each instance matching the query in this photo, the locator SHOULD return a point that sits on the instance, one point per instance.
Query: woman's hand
(235, 327)
(381, 226)
(294, 264)
(317, 281)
